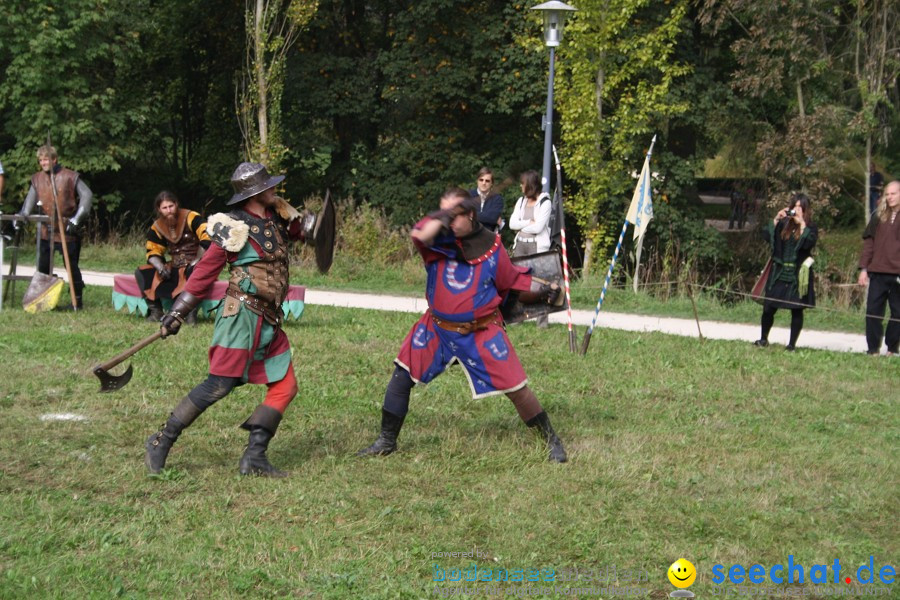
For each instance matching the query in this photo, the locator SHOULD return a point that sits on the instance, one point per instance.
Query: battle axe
(111, 383)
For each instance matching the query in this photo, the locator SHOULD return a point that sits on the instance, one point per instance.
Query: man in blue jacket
(490, 210)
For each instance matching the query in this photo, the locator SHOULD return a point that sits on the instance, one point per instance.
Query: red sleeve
(295, 230)
(206, 272)
(509, 276)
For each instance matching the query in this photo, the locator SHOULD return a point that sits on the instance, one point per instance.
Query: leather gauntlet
(173, 319)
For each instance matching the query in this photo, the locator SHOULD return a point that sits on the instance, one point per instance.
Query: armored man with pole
(469, 276)
(248, 345)
(54, 189)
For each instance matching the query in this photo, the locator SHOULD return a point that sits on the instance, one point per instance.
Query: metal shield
(43, 293)
(546, 267)
(324, 234)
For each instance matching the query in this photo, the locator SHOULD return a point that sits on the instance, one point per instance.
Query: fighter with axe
(55, 188)
(248, 345)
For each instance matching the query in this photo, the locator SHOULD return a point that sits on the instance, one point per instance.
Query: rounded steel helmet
(250, 179)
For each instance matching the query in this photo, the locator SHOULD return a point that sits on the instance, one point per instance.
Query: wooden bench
(127, 294)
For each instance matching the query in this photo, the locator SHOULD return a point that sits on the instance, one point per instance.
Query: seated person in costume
(469, 277)
(182, 233)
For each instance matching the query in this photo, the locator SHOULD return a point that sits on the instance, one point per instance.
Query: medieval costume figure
(792, 237)
(68, 186)
(248, 345)
(469, 277)
(182, 233)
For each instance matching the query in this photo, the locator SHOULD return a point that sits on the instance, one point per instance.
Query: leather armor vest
(66, 180)
(182, 243)
(269, 274)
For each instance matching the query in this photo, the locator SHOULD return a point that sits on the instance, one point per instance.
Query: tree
(876, 66)
(272, 28)
(392, 101)
(71, 69)
(618, 71)
(787, 64)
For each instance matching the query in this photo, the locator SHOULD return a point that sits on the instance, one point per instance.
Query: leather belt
(469, 326)
(264, 308)
(527, 239)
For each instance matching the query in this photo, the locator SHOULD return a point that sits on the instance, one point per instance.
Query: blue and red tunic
(462, 291)
(244, 345)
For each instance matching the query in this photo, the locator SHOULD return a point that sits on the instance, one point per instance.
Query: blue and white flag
(641, 210)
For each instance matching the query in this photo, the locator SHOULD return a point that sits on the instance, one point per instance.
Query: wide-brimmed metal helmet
(250, 179)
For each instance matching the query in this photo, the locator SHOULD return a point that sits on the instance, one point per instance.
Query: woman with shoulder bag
(792, 236)
(531, 220)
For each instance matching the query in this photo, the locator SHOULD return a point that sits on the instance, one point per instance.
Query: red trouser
(280, 393)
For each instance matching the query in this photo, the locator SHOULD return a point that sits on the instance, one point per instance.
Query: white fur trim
(227, 232)
(285, 210)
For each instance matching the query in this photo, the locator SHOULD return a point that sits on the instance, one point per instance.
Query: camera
(791, 212)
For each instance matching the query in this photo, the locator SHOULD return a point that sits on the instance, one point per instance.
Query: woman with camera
(792, 237)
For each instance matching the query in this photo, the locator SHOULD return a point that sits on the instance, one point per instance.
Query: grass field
(709, 450)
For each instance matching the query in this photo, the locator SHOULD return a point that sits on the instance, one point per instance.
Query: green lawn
(709, 450)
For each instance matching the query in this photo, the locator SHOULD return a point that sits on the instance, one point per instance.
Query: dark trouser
(213, 389)
(737, 215)
(278, 396)
(74, 249)
(768, 319)
(884, 289)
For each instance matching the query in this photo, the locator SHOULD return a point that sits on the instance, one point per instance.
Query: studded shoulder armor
(266, 231)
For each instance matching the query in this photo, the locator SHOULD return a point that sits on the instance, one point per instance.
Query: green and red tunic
(248, 341)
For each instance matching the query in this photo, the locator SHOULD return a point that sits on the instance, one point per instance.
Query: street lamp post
(554, 19)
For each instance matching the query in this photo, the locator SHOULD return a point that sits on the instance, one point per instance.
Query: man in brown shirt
(880, 269)
(68, 186)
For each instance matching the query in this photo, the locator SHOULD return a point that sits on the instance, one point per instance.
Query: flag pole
(612, 265)
(565, 255)
(637, 262)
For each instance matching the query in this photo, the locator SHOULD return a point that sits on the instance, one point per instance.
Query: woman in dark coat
(792, 236)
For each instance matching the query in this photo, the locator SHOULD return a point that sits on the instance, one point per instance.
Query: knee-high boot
(155, 311)
(387, 439)
(159, 443)
(542, 422)
(262, 425)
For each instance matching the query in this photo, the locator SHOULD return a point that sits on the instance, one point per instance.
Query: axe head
(111, 383)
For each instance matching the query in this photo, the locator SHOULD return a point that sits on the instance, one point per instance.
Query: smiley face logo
(682, 573)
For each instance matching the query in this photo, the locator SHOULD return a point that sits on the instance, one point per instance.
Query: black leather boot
(387, 440)
(542, 422)
(262, 425)
(159, 443)
(155, 312)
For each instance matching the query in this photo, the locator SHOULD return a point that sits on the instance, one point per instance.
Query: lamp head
(555, 13)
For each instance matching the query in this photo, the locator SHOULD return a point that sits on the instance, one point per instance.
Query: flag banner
(641, 210)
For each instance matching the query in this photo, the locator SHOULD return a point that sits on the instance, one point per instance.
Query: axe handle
(130, 352)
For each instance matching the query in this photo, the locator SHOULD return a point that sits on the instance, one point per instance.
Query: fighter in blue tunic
(470, 276)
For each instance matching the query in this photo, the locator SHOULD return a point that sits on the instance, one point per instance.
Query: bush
(364, 235)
